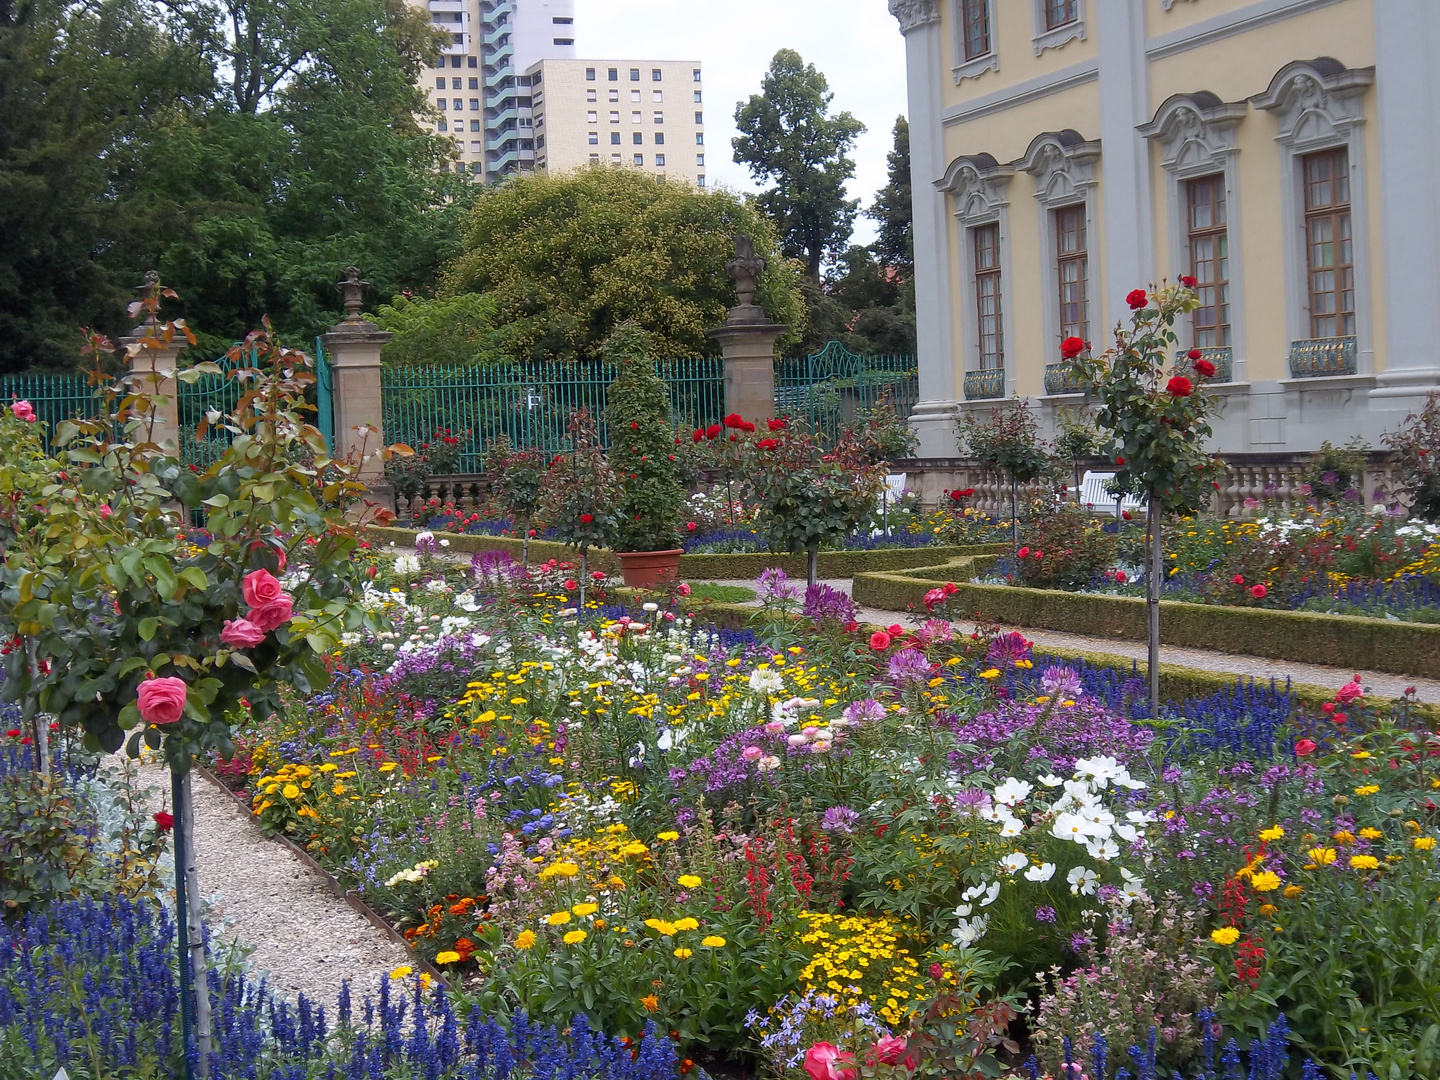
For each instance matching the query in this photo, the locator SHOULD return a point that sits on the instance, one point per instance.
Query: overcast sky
(856, 43)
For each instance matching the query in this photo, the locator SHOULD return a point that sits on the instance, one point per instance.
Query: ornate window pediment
(1195, 131)
(1315, 101)
(1063, 165)
(978, 185)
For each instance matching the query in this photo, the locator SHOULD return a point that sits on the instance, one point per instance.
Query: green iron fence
(831, 390)
(530, 403)
(54, 398)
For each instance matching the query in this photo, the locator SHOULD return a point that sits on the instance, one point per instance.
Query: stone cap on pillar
(354, 326)
(743, 270)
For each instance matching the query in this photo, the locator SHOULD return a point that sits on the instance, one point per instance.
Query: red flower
(691, 526)
(1137, 299)
(1258, 591)
(571, 584)
(164, 821)
(586, 519)
(1238, 579)
(1125, 514)
(766, 444)
(1179, 386)
(698, 435)
(1119, 461)
(1072, 347)
(1328, 707)
(1194, 354)
(1024, 552)
(1187, 281)
(1037, 555)
(1304, 748)
(746, 426)
(634, 426)
(1205, 369)
(734, 420)
(776, 425)
(895, 631)
(1121, 577)
(879, 641)
(950, 588)
(713, 431)
(13, 733)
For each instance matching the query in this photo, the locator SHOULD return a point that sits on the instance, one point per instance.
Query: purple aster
(1045, 914)
(839, 819)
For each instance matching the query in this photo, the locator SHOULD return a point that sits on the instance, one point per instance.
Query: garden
(625, 839)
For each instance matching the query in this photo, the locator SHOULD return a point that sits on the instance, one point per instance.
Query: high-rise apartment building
(480, 89)
(642, 114)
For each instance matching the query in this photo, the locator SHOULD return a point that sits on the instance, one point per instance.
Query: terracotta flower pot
(647, 569)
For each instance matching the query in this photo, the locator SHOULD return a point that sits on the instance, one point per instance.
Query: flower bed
(808, 848)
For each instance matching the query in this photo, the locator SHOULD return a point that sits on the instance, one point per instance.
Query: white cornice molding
(1021, 93)
(978, 184)
(1252, 17)
(913, 13)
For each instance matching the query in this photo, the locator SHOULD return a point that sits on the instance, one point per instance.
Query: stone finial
(744, 269)
(352, 291)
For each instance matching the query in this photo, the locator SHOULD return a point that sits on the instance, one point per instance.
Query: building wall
(1114, 112)
(670, 108)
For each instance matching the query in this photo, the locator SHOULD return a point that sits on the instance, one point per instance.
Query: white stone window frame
(979, 191)
(973, 68)
(1062, 165)
(1196, 136)
(1318, 105)
(1046, 38)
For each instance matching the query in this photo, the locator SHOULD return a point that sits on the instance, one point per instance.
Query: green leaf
(147, 628)
(186, 488)
(217, 502)
(195, 577)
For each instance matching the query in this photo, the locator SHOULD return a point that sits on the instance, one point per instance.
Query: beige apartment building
(1286, 153)
(639, 114)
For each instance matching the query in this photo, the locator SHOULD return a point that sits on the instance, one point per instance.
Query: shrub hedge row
(1343, 641)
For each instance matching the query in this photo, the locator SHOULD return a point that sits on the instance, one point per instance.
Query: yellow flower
(401, 971)
(1344, 836)
(1371, 834)
(1423, 843)
(447, 957)
(584, 909)
(389, 766)
(574, 937)
(559, 918)
(634, 848)
(650, 1002)
(1270, 835)
(1322, 856)
(1364, 862)
(1265, 881)
(686, 924)
(291, 791)
(525, 940)
(683, 954)
(1292, 891)
(1226, 935)
(1267, 909)
(714, 941)
(1367, 789)
(559, 869)
(690, 881)
(990, 673)
(661, 927)
(669, 834)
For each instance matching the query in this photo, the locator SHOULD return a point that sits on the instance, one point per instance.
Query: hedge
(1342, 641)
(833, 564)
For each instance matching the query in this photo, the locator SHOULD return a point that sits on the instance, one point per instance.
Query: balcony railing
(1219, 355)
(1321, 357)
(1060, 379)
(985, 383)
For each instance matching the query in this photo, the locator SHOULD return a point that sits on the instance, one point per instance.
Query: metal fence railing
(530, 403)
(53, 397)
(833, 389)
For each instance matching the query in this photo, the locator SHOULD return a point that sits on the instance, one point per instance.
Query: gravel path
(299, 935)
(1258, 667)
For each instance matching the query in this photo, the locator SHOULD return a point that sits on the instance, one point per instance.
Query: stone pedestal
(153, 362)
(353, 348)
(749, 351)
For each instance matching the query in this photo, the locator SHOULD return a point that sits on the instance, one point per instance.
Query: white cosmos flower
(1128, 833)
(1040, 872)
(1011, 826)
(963, 911)
(1071, 827)
(672, 737)
(969, 931)
(971, 893)
(991, 894)
(1083, 881)
(1103, 849)
(1051, 780)
(1101, 769)
(1140, 817)
(1012, 791)
(1016, 860)
(1100, 819)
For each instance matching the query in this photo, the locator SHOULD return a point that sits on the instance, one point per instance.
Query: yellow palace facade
(1286, 153)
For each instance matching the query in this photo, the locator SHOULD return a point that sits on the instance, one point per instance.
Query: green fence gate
(53, 397)
(831, 390)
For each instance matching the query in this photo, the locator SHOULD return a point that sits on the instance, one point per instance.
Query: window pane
(977, 28)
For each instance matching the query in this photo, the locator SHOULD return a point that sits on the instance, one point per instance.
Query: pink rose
(683, 589)
(162, 701)
(1348, 693)
(261, 587)
(23, 410)
(105, 510)
(267, 617)
(890, 1050)
(241, 634)
(822, 1059)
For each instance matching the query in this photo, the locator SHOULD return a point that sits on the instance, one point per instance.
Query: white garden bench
(1093, 493)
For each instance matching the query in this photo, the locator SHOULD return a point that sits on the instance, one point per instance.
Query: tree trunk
(1075, 465)
(525, 545)
(584, 580)
(193, 971)
(1014, 509)
(1152, 601)
(813, 564)
(41, 729)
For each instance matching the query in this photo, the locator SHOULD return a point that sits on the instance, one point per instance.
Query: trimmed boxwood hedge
(833, 564)
(1343, 641)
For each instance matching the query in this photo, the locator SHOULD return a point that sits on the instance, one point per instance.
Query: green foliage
(408, 474)
(1078, 437)
(517, 479)
(113, 590)
(1415, 447)
(1334, 470)
(454, 330)
(1068, 548)
(884, 435)
(642, 446)
(566, 259)
(893, 209)
(46, 851)
(582, 493)
(1009, 441)
(789, 139)
(808, 497)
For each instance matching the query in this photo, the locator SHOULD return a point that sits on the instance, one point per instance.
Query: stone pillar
(747, 341)
(933, 417)
(153, 360)
(353, 348)
(1407, 83)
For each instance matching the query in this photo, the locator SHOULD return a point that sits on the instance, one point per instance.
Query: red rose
(879, 641)
(164, 821)
(1121, 577)
(967, 493)
(1304, 748)
(1238, 579)
(1205, 369)
(766, 444)
(634, 426)
(691, 526)
(1125, 514)
(734, 420)
(13, 733)
(713, 431)
(1328, 707)
(162, 701)
(1179, 386)
(1137, 299)
(895, 631)
(586, 519)
(776, 425)
(1258, 591)
(260, 587)
(1072, 347)
(1187, 281)
(571, 584)
(1119, 461)
(699, 434)
(1194, 354)
(1037, 555)
(1024, 552)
